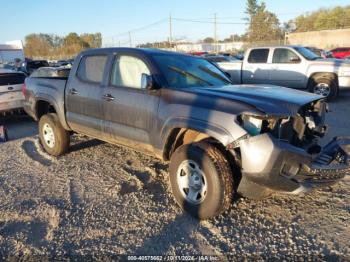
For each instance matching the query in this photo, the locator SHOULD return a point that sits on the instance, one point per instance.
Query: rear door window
(91, 68)
(258, 56)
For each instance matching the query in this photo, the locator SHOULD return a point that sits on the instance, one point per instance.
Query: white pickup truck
(290, 66)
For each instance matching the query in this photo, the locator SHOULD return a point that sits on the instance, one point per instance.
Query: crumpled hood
(272, 100)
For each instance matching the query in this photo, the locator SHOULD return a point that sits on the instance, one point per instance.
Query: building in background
(326, 39)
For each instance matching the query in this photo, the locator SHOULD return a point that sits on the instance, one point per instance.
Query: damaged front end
(281, 153)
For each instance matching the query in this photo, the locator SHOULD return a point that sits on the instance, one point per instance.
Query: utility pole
(285, 38)
(130, 43)
(170, 31)
(215, 34)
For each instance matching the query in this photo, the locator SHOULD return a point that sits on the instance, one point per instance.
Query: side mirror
(147, 82)
(294, 59)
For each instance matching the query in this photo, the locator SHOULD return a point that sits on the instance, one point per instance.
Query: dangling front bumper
(272, 164)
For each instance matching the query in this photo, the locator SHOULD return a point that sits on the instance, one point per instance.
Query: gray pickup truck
(290, 66)
(220, 139)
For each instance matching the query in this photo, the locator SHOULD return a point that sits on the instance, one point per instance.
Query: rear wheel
(201, 180)
(324, 86)
(54, 138)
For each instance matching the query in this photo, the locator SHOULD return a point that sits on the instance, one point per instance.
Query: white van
(10, 52)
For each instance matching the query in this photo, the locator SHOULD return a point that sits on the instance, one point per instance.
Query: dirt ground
(102, 200)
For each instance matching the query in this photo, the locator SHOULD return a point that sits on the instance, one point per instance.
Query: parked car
(62, 63)
(29, 66)
(198, 53)
(218, 137)
(51, 72)
(220, 58)
(341, 52)
(238, 56)
(11, 83)
(320, 52)
(291, 66)
(231, 66)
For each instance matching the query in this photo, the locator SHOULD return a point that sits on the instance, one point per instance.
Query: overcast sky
(113, 18)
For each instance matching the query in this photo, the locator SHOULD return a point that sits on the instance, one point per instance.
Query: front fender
(212, 130)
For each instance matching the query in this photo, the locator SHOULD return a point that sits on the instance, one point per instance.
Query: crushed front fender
(276, 165)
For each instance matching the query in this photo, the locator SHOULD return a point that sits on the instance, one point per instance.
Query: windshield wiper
(184, 73)
(216, 75)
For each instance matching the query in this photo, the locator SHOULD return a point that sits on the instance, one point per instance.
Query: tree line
(322, 19)
(264, 26)
(51, 46)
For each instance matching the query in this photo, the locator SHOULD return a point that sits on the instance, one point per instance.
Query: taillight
(24, 89)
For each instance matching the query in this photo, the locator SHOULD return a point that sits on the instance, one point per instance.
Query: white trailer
(10, 51)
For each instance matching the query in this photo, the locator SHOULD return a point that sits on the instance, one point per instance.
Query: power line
(221, 23)
(140, 28)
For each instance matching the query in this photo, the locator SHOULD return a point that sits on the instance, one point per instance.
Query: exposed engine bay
(301, 130)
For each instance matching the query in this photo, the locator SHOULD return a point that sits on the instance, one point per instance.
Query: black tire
(326, 80)
(61, 136)
(218, 177)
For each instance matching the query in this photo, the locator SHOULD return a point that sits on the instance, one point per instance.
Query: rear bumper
(10, 101)
(268, 163)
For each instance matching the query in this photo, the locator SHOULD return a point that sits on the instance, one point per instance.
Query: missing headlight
(252, 124)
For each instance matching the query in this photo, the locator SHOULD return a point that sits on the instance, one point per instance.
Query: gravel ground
(103, 200)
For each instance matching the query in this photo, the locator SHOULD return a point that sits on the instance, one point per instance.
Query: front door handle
(73, 91)
(108, 97)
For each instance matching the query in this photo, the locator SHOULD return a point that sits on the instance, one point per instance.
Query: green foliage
(53, 46)
(323, 19)
(263, 24)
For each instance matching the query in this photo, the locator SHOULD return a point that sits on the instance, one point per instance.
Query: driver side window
(127, 71)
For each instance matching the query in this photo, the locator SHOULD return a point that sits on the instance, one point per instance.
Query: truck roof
(275, 46)
(148, 51)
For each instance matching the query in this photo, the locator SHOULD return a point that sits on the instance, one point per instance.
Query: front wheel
(201, 180)
(53, 137)
(324, 86)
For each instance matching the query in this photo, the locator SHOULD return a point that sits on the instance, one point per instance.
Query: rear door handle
(108, 97)
(73, 91)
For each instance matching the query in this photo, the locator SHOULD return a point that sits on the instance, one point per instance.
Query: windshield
(182, 71)
(306, 53)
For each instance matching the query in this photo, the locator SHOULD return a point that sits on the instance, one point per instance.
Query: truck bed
(45, 88)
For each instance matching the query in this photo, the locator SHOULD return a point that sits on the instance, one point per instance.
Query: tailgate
(10, 88)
